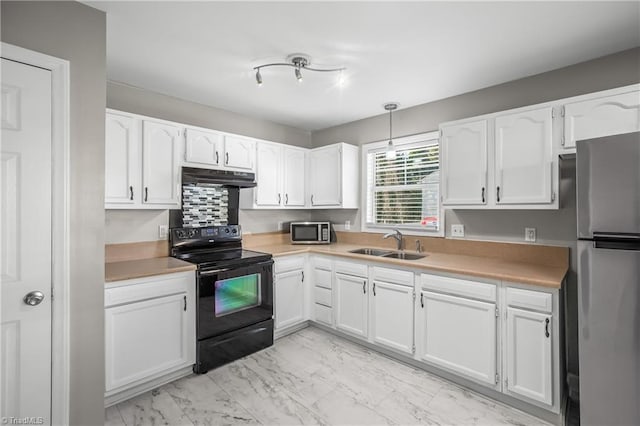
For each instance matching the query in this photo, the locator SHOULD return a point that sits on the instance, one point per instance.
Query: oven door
(233, 298)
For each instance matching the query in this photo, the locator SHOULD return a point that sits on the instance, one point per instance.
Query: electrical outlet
(530, 235)
(280, 224)
(163, 232)
(457, 231)
(347, 225)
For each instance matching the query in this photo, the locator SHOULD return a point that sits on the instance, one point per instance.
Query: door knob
(33, 298)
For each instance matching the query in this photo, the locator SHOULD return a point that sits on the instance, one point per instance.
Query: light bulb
(391, 151)
(298, 74)
(258, 77)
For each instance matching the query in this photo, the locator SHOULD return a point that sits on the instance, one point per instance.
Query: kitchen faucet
(397, 235)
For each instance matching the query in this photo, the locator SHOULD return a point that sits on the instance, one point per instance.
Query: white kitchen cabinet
(160, 164)
(203, 147)
(294, 177)
(289, 292)
(268, 192)
(149, 333)
(322, 281)
(352, 304)
(239, 153)
(122, 160)
(463, 158)
(392, 315)
(334, 176)
(599, 116)
(523, 157)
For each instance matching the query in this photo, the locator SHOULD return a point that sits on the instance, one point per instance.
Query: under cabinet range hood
(193, 175)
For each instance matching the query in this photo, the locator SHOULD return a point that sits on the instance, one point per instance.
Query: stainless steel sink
(404, 256)
(371, 251)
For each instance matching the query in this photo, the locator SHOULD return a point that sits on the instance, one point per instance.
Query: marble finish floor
(314, 377)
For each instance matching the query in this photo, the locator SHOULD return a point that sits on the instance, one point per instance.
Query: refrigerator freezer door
(609, 335)
(608, 185)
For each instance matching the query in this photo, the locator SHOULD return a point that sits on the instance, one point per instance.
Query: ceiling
(409, 52)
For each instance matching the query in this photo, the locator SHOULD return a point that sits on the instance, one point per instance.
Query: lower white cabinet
(459, 334)
(149, 331)
(352, 307)
(289, 292)
(392, 315)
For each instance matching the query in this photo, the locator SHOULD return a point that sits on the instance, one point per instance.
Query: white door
(325, 177)
(463, 156)
(459, 334)
(529, 360)
(239, 153)
(203, 147)
(294, 177)
(393, 315)
(351, 303)
(524, 161)
(145, 338)
(269, 175)
(25, 250)
(122, 160)
(289, 299)
(611, 115)
(160, 166)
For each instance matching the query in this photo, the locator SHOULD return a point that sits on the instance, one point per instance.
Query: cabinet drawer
(147, 288)
(286, 264)
(323, 314)
(459, 287)
(351, 268)
(322, 278)
(322, 296)
(527, 299)
(322, 263)
(394, 276)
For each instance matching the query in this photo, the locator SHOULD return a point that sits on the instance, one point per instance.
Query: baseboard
(290, 330)
(115, 398)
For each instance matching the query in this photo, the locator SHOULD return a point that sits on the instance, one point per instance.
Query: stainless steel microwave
(310, 232)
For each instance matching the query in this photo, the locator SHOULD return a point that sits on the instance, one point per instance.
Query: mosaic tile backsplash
(204, 205)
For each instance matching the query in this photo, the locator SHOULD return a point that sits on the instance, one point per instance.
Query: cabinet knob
(279, 198)
(422, 300)
(131, 192)
(311, 199)
(146, 194)
(546, 327)
(498, 194)
(364, 286)
(226, 156)
(217, 158)
(286, 199)
(483, 194)
(374, 288)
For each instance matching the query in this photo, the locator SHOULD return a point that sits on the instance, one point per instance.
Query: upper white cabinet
(601, 116)
(464, 157)
(268, 193)
(122, 160)
(142, 167)
(294, 176)
(334, 176)
(239, 153)
(523, 158)
(211, 149)
(203, 147)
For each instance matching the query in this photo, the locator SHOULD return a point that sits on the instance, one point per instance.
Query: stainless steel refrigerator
(608, 207)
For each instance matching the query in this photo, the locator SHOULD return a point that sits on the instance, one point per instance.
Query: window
(404, 192)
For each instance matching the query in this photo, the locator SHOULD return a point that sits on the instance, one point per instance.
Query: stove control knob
(192, 233)
(234, 230)
(226, 230)
(181, 234)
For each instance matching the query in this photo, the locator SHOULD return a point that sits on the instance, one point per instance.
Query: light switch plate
(347, 225)
(530, 235)
(163, 232)
(457, 231)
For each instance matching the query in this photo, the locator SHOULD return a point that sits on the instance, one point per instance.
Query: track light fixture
(391, 150)
(300, 62)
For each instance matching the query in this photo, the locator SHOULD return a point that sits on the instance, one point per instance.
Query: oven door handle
(213, 272)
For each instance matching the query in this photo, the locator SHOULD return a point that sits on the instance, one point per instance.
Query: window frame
(364, 193)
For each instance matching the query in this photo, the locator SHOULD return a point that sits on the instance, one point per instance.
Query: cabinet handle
(498, 194)
(131, 191)
(226, 156)
(546, 327)
(374, 288)
(146, 194)
(302, 276)
(286, 199)
(217, 158)
(185, 303)
(279, 198)
(364, 287)
(311, 199)
(422, 299)
(483, 194)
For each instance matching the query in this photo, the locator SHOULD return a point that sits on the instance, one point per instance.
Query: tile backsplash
(204, 205)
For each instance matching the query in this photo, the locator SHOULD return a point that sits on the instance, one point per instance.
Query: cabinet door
(203, 147)
(606, 116)
(529, 361)
(393, 315)
(464, 163)
(145, 338)
(239, 153)
(523, 170)
(122, 160)
(351, 304)
(268, 191)
(459, 334)
(289, 299)
(294, 177)
(160, 166)
(325, 177)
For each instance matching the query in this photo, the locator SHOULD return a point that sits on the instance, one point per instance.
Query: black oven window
(305, 233)
(237, 294)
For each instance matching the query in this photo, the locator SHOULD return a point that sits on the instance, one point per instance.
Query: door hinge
(553, 113)
(497, 313)
(562, 112)
(413, 349)
(553, 196)
(414, 295)
(497, 378)
(562, 141)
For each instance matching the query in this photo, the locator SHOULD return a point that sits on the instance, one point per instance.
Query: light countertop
(129, 269)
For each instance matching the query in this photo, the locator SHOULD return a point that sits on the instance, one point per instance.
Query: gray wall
(553, 227)
(77, 33)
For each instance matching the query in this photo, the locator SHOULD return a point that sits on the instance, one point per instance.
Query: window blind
(404, 191)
